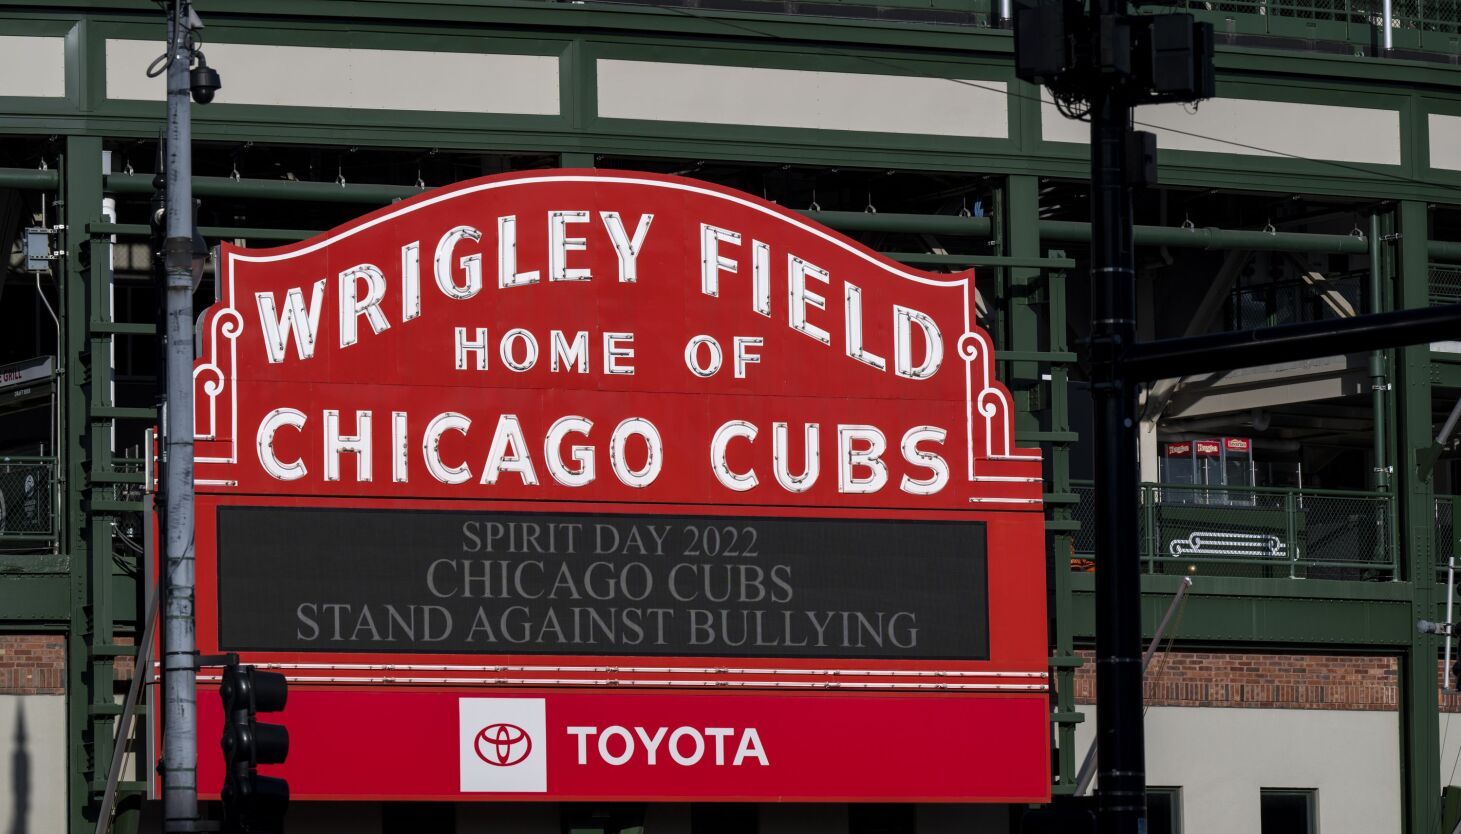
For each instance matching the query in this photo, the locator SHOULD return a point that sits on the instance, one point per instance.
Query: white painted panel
(1221, 758)
(34, 67)
(1256, 128)
(801, 98)
(366, 79)
(1445, 132)
(33, 775)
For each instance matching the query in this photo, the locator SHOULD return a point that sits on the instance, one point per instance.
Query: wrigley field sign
(614, 485)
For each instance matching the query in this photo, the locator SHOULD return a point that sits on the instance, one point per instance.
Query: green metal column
(1420, 727)
(81, 193)
(1033, 305)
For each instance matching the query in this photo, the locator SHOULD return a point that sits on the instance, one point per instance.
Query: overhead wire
(1004, 90)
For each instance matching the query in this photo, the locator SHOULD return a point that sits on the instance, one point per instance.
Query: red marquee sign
(588, 474)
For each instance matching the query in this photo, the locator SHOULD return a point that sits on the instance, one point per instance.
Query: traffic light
(253, 803)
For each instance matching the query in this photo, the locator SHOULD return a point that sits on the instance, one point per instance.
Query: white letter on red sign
(800, 298)
(761, 277)
(692, 356)
(507, 274)
(352, 306)
(583, 733)
(399, 447)
(530, 350)
(781, 457)
(574, 356)
(509, 453)
(358, 444)
(933, 356)
(431, 447)
(304, 323)
(712, 263)
(277, 469)
(624, 247)
(583, 455)
(615, 732)
(654, 457)
(686, 732)
(918, 457)
(411, 280)
(744, 356)
(718, 463)
(465, 346)
(750, 748)
(849, 458)
(471, 264)
(852, 296)
(617, 347)
(560, 244)
(719, 734)
(651, 743)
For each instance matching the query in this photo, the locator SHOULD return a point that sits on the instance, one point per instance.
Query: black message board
(455, 582)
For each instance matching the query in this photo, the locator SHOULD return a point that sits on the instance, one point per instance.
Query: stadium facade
(1311, 504)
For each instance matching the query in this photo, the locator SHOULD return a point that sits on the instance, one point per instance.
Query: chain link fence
(27, 498)
(1254, 532)
(1445, 533)
(1445, 284)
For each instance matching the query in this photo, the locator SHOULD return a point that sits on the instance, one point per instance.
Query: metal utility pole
(1098, 66)
(179, 767)
(1120, 742)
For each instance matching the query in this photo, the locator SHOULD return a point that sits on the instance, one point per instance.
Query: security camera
(204, 81)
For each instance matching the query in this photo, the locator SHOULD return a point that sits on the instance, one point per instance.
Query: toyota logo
(503, 745)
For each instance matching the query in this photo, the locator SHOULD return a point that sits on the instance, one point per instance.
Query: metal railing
(1264, 532)
(27, 499)
(1430, 25)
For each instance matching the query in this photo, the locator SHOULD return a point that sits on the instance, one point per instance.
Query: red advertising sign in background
(602, 446)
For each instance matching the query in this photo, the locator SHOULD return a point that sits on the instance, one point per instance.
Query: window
(724, 818)
(418, 817)
(1288, 811)
(881, 819)
(607, 818)
(1164, 810)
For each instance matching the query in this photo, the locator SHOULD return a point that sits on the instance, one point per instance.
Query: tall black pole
(1121, 751)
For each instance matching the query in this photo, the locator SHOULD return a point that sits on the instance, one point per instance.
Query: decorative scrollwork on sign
(211, 379)
(991, 401)
(1258, 545)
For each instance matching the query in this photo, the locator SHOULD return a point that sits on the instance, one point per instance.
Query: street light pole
(179, 766)
(1120, 746)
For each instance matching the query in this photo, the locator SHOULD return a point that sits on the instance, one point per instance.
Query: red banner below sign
(573, 745)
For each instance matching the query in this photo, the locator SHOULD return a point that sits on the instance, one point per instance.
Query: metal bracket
(1392, 236)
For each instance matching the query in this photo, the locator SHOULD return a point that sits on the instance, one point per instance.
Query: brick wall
(32, 664)
(1272, 681)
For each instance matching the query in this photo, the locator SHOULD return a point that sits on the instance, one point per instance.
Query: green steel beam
(35, 598)
(34, 178)
(1269, 614)
(1419, 714)
(81, 194)
(1064, 230)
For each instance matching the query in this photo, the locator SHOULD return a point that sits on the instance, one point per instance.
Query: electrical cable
(1007, 92)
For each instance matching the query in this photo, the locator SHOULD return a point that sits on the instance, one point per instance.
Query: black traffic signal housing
(1146, 59)
(251, 802)
(1171, 58)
